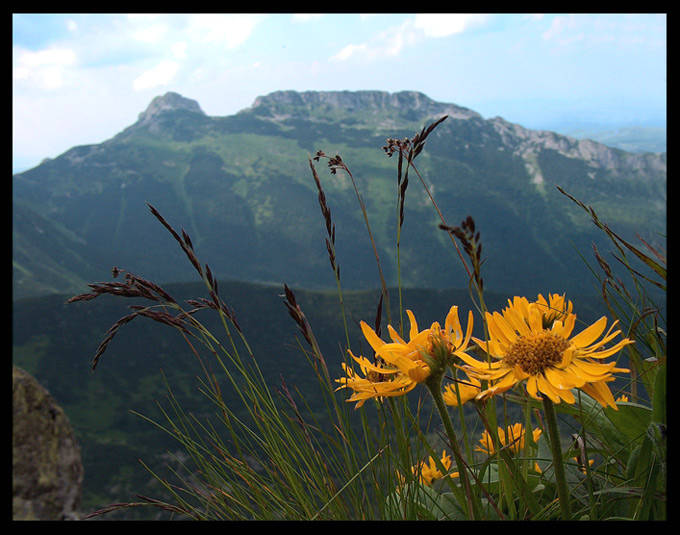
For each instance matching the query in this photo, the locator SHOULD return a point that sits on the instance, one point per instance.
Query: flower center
(535, 352)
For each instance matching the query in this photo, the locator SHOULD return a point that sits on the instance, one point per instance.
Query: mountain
(242, 187)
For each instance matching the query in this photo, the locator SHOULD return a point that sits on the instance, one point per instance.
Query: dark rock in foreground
(47, 470)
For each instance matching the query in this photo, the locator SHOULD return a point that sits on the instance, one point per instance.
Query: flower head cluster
(429, 472)
(533, 342)
(462, 390)
(400, 365)
(513, 439)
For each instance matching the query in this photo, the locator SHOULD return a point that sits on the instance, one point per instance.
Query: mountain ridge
(609, 157)
(233, 182)
(363, 100)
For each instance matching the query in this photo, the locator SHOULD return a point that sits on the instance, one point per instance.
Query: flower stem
(558, 463)
(434, 386)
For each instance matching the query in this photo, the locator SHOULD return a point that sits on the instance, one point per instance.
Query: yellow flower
(534, 342)
(401, 365)
(467, 389)
(581, 466)
(378, 381)
(514, 439)
(429, 472)
(413, 358)
(555, 308)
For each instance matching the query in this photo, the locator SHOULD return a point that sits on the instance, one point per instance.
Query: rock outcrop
(47, 470)
(166, 102)
(161, 116)
(360, 101)
(597, 155)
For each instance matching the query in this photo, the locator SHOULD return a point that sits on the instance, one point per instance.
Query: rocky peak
(153, 117)
(356, 101)
(168, 102)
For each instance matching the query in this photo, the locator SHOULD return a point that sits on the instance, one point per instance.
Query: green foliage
(636, 435)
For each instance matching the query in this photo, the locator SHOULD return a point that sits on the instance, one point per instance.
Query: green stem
(434, 386)
(558, 462)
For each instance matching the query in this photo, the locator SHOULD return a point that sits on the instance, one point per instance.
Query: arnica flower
(378, 381)
(556, 307)
(514, 439)
(534, 342)
(468, 389)
(429, 472)
(401, 365)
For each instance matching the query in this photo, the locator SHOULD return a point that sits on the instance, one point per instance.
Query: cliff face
(516, 139)
(160, 115)
(526, 142)
(167, 102)
(47, 470)
(361, 101)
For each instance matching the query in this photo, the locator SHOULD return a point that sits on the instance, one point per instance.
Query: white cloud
(392, 41)
(388, 43)
(50, 57)
(160, 75)
(151, 34)
(179, 49)
(445, 24)
(617, 29)
(349, 51)
(44, 68)
(564, 30)
(228, 30)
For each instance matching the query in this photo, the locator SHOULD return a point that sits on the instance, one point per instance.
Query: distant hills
(242, 187)
(630, 138)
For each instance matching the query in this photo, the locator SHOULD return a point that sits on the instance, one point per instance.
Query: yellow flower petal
(589, 334)
(546, 388)
(414, 324)
(394, 335)
(563, 380)
(568, 325)
(502, 330)
(532, 387)
(601, 393)
(594, 370)
(372, 338)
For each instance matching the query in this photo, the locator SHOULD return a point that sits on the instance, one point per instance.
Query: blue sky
(80, 79)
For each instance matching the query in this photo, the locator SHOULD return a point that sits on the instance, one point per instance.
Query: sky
(80, 79)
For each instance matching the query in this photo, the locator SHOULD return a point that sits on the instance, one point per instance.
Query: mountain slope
(242, 188)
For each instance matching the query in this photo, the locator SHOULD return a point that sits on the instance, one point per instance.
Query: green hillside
(242, 187)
